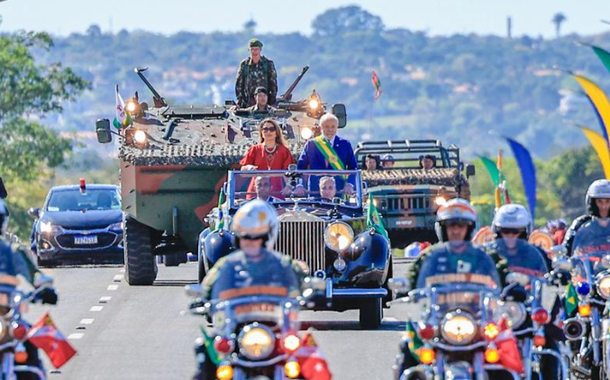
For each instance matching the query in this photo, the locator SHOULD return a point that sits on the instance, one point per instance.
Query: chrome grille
(303, 241)
(409, 203)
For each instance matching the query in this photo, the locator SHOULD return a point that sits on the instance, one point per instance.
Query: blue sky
(438, 17)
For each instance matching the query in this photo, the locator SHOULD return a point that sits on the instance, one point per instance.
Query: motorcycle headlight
(458, 328)
(514, 312)
(603, 287)
(256, 341)
(338, 236)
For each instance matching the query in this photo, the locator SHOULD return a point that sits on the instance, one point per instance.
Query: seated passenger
(328, 152)
(427, 162)
(261, 97)
(262, 186)
(271, 153)
(328, 188)
(387, 162)
(370, 162)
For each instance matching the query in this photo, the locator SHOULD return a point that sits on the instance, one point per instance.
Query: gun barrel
(288, 94)
(156, 96)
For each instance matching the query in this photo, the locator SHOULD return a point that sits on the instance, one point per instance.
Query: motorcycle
(527, 317)
(255, 336)
(19, 358)
(587, 331)
(458, 330)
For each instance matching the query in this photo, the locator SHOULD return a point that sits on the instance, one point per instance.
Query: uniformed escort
(255, 71)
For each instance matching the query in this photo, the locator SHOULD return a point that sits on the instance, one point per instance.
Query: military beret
(261, 89)
(255, 42)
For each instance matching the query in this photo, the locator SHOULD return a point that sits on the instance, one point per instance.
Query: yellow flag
(600, 101)
(601, 147)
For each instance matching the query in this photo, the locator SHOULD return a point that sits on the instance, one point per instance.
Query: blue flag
(528, 173)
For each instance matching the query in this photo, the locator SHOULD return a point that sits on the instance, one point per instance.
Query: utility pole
(509, 27)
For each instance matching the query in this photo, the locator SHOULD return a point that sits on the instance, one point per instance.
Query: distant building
(571, 102)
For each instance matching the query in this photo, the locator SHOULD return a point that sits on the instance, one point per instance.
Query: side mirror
(194, 291)
(470, 170)
(34, 212)
(399, 285)
(102, 129)
(340, 112)
(562, 263)
(559, 251)
(518, 278)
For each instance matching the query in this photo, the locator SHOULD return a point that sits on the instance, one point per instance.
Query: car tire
(200, 268)
(140, 265)
(390, 297)
(171, 260)
(46, 263)
(371, 313)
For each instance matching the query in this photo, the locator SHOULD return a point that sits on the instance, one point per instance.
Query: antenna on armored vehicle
(288, 94)
(158, 99)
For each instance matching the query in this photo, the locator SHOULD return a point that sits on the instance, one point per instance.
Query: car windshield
(303, 187)
(90, 200)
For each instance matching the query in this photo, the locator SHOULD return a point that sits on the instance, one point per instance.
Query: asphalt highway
(128, 332)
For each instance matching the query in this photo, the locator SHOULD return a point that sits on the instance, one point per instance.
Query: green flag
(209, 346)
(603, 55)
(414, 341)
(492, 168)
(373, 219)
(571, 301)
(221, 219)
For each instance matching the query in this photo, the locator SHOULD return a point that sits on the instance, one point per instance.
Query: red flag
(313, 365)
(377, 85)
(45, 335)
(510, 356)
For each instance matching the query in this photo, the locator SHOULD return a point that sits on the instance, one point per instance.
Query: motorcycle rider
(15, 261)
(597, 202)
(512, 225)
(255, 226)
(455, 224)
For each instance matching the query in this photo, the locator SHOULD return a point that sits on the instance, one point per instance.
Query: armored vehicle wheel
(171, 260)
(371, 313)
(140, 265)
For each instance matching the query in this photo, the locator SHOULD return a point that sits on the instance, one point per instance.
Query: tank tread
(140, 265)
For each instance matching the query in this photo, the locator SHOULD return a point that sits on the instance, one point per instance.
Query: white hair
(328, 116)
(328, 179)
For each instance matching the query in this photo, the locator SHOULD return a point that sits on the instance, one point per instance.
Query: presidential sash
(329, 153)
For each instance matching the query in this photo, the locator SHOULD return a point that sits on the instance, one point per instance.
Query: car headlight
(256, 341)
(116, 226)
(338, 236)
(458, 328)
(47, 227)
(440, 201)
(603, 287)
(513, 312)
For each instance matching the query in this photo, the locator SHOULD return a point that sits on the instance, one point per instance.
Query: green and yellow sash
(329, 153)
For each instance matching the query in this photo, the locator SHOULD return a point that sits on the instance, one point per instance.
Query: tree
(558, 19)
(352, 18)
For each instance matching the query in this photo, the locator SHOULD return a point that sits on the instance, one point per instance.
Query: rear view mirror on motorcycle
(518, 278)
(193, 291)
(559, 251)
(43, 281)
(562, 263)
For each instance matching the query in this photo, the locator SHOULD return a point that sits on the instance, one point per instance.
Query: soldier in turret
(255, 71)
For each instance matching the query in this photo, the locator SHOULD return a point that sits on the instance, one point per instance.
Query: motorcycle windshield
(591, 244)
(522, 257)
(464, 264)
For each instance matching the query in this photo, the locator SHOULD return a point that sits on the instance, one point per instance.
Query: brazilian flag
(373, 219)
(414, 342)
(209, 346)
(571, 301)
(221, 220)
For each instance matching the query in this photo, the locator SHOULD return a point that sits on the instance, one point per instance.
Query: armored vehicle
(407, 195)
(174, 160)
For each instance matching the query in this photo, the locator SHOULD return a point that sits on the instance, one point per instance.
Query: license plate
(85, 240)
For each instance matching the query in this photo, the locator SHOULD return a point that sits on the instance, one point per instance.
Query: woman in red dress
(271, 153)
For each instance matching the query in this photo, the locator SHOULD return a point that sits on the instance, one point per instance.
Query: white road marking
(390, 319)
(105, 299)
(96, 308)
(122, 270)
(76, 336)
(87, 321)
(118, 278)
(113, 287)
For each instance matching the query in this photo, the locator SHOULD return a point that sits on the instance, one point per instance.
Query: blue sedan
(79, 223)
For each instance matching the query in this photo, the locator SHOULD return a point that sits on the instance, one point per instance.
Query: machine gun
(288, 94)
(158, 99)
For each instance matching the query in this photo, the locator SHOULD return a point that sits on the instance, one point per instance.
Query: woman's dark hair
(424, 156)
(376, 158)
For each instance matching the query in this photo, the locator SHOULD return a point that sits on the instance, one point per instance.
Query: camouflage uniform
(252, 75)
(254, 109)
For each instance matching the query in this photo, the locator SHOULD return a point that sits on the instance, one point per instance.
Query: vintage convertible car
(326, 229)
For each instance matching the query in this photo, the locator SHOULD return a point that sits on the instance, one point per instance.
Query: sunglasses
(457, 224)
(510, 231)
(269, 129)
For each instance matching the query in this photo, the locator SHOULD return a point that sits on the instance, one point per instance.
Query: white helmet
(3, 218)
(456, 210)
(598, 189)
(256, 219)
(512, 216)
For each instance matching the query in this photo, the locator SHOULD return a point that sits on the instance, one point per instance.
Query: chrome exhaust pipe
(574, 328)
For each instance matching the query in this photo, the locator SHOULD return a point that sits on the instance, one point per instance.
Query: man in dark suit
(328, 152)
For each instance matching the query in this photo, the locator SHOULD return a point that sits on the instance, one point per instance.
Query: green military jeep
(406, 193)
